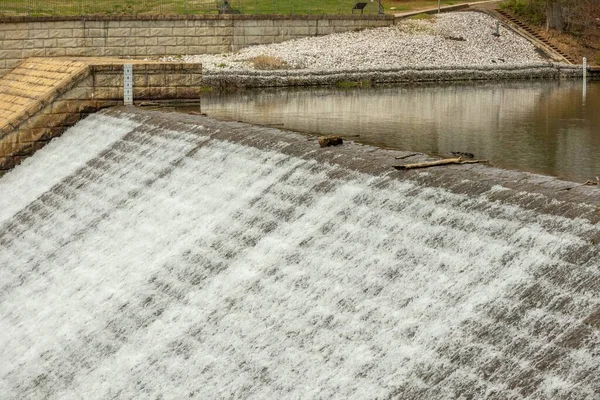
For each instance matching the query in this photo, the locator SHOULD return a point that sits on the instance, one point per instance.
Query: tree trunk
(554, 15)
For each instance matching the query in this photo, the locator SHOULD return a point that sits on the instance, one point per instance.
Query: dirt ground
(575, 46)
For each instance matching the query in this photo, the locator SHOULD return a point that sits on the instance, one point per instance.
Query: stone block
(95, 33)
(12, 63)
(218, 49)
(155, 93)
(12, 26)
(49, 43)
(108, 80)
(161, 32)
(93, 24)
(69, 42)
(18, 34)
(187, 41)
(60, 33)
(131, 24)
(183, 32)
(161, 24)
(80, 92)
(259, 31)
(82, 51)
(253, 40)
(108, 93)
(39, 34)
(113, 41)
(211, 31)
(197, 49)
(58, 25)
(25, 136)
(208, 40)
(140, 51)
(26, 53)
(129, 41)
(70, 106)
(78, 32)
(178, 79)
(115, 51)
(119, 32)
(140, 79)
(302, 31)
(9, 148)
(10, 54)
(150, 41)
(156, 80)
(140, 32)
(155, 51)
(325, 30)
(269, 23)
(14, 44)
(167, 41)
(183, 23)
(98, 43)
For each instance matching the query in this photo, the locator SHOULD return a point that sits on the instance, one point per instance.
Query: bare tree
(554, 15)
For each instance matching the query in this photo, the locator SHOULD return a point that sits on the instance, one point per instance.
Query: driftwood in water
(407, 156)
(438, 163)
(326, 141)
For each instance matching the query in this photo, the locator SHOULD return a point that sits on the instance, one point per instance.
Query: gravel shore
(450, 46)
(453, 39)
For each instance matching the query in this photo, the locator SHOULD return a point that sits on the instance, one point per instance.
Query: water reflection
(542, 127)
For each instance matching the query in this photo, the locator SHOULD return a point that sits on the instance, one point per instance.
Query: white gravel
(414, 43)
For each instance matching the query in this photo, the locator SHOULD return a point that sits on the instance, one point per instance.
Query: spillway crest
(143, 256)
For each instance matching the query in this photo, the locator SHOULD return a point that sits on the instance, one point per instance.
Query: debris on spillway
(149, 255)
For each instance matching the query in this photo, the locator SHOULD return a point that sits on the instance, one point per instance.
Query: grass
(192, 7)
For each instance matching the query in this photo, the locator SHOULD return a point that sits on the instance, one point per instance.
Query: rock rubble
(410, 43)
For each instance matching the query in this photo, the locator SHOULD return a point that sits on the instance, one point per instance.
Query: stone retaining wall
(143, 37)
(42, 97)
(250, 79)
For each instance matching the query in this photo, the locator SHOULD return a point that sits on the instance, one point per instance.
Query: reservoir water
(545, 127)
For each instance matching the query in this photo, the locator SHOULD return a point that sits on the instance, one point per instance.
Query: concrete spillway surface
(152, 255)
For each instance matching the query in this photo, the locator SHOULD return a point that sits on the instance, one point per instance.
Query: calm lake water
(546, 127)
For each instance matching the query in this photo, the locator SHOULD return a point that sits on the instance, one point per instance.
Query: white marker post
(127, 84)
(584, 79)
(439, 6)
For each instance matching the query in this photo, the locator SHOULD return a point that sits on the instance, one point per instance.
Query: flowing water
(545, 127)
(143, 257)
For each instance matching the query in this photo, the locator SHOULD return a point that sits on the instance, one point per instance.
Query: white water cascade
(176, 263)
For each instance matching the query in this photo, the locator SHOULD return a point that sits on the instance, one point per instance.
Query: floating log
(407, 156)
(436, 163)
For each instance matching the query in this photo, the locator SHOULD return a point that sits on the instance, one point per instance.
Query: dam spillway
(147, 255)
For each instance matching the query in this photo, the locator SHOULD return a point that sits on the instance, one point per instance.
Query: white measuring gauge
(127, 84)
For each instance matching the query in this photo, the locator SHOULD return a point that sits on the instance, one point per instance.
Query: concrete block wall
(65, 103)
(151, 37)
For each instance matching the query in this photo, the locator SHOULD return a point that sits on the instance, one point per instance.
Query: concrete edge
(207, 17)
(250, 79)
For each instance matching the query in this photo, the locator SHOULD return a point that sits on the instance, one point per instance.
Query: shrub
(265, 62)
